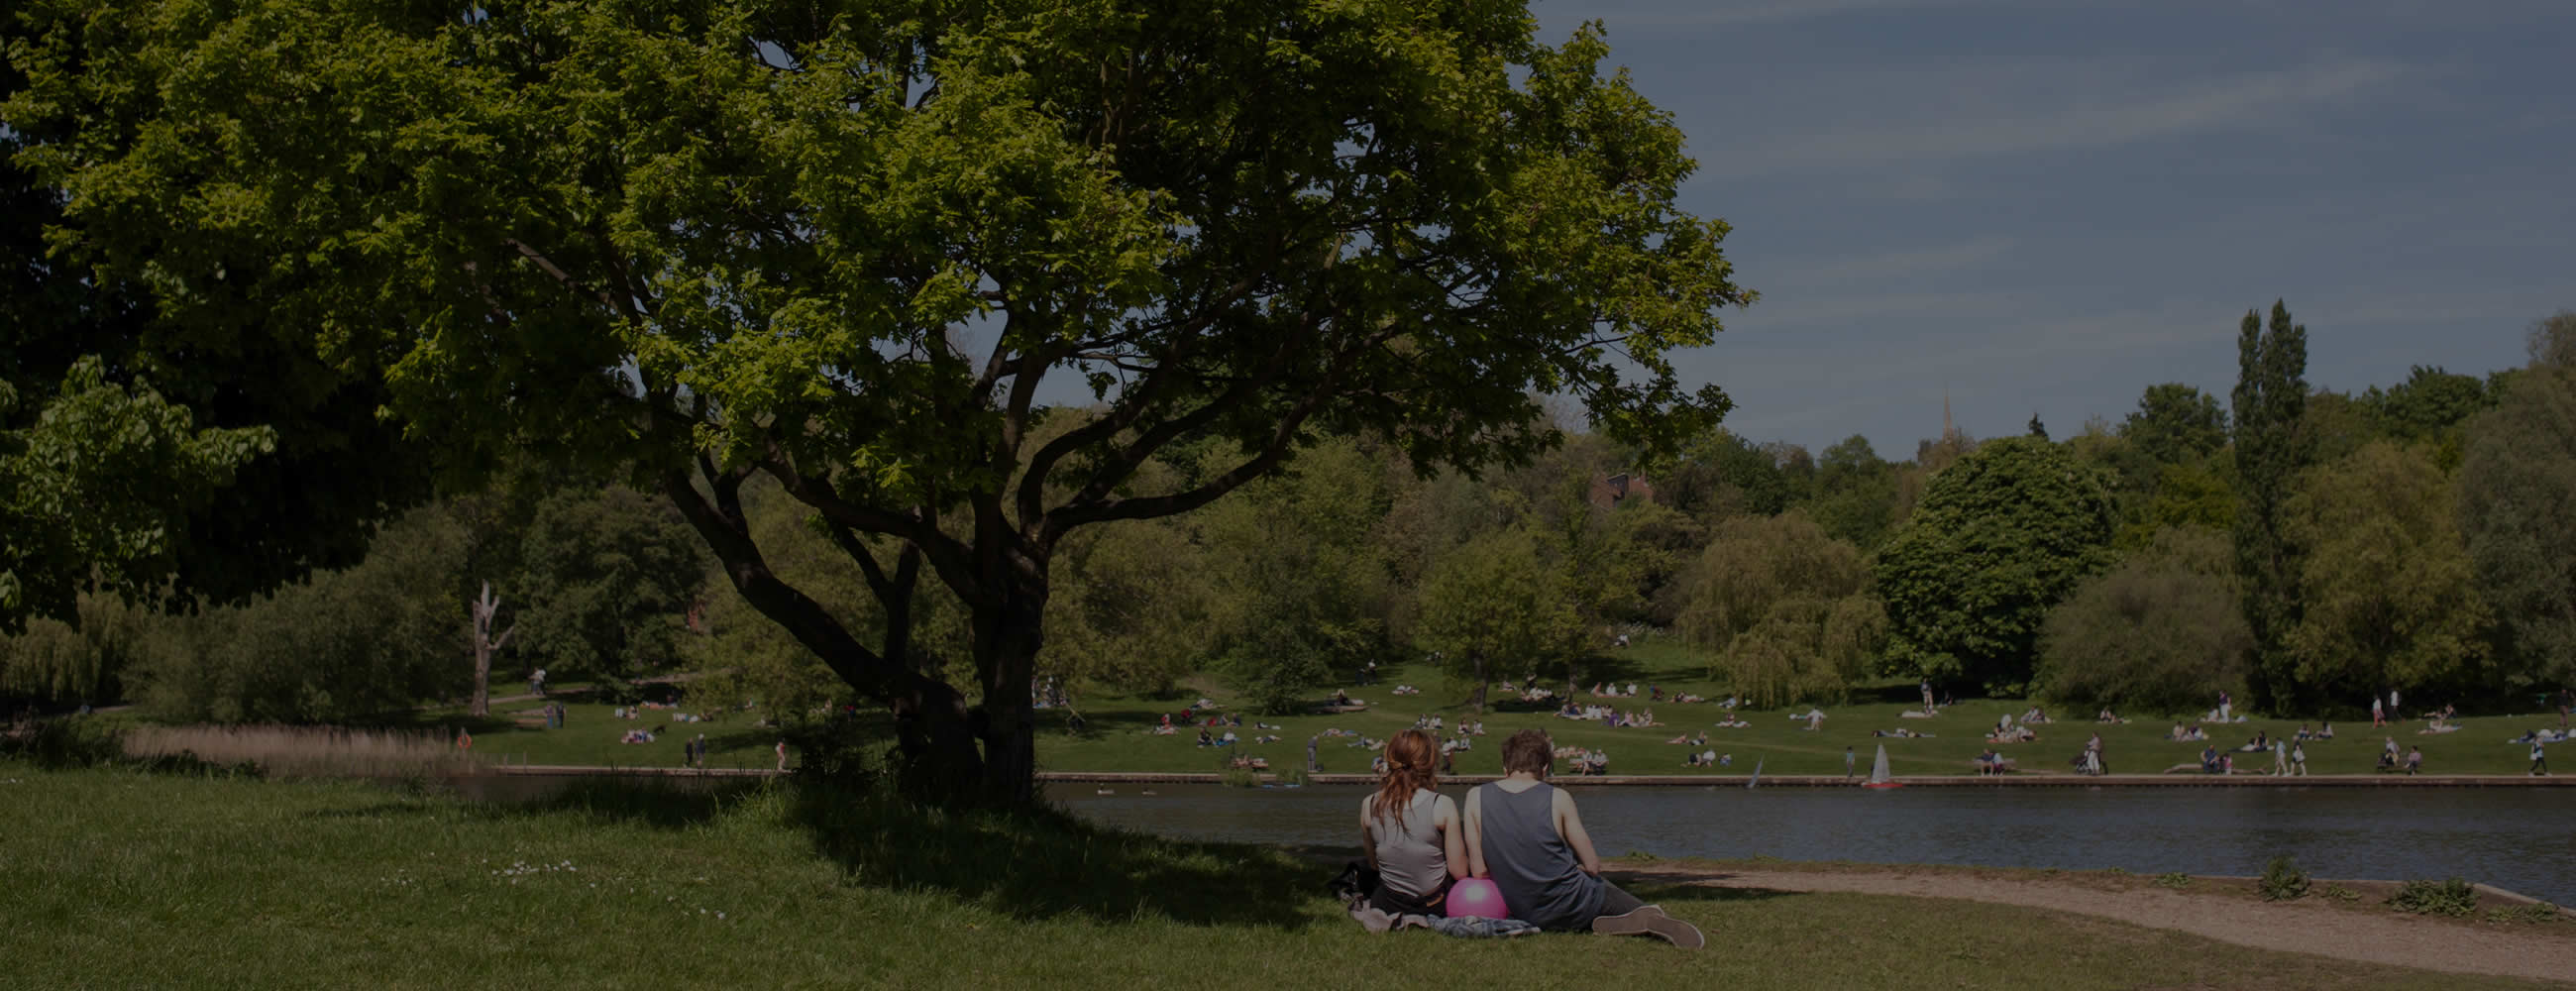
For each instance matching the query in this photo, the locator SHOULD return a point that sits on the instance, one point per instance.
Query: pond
(2519, 839)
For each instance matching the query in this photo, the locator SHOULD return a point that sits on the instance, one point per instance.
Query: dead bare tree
(485, 644)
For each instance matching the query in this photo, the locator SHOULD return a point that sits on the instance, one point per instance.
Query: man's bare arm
(1569, 824)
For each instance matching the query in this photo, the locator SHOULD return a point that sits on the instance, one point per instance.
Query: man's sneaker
(1651, 921)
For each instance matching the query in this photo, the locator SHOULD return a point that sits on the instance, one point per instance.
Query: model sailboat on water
(1878, 776)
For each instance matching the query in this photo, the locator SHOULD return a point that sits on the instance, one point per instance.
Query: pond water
(2520, 839)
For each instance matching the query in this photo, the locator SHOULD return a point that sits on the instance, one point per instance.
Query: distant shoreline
(1686, 780)
(1837, 781)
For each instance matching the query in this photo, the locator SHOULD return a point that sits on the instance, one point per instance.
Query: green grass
(1119, 737)
(124, 879)
(591, 732)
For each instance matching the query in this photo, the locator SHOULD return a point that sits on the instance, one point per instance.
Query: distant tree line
(2420, 536)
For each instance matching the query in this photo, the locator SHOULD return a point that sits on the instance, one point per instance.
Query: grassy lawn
(1118, 736)
(592, 731)
(121, 879)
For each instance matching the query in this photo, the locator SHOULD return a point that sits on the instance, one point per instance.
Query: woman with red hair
(1411, 831)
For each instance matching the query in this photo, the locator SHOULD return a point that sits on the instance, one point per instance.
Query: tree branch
(547, 265)
(728, 535)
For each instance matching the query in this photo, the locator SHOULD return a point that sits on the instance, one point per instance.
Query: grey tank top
(1542, 882)
(1410, 860)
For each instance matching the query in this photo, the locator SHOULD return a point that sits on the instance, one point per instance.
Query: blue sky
(2048, 206)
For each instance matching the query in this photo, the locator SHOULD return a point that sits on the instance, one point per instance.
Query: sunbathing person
(1526, 835)
(1412, 832)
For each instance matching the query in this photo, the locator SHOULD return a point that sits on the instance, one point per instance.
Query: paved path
(2362, 932)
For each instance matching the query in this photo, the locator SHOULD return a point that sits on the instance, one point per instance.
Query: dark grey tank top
(1542, 882)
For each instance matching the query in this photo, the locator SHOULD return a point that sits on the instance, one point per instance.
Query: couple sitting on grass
(1520, 832)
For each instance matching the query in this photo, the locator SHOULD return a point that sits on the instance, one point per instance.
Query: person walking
(782, 755)
(2280, 759)
(1851, 763)
(2539, 759)
(2378, 716)
(2392, 705)
(2225, 708)
(1311, 766)
(2299, 759)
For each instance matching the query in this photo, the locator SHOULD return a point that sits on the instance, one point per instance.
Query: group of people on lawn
(1521, 833)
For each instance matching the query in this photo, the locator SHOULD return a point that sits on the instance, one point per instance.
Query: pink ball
(1477, 897)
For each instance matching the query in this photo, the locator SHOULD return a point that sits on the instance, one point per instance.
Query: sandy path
(2364, 935)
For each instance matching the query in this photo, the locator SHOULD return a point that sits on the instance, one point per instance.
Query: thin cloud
(1734, 13)
(1881, 267)
(1984, 131)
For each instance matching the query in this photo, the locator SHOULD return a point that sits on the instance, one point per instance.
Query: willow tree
(874, 249)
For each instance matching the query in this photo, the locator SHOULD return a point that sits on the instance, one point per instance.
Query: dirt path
(2360, 933)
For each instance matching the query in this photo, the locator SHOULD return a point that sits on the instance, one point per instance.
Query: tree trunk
(1476, 661)
(1008, 635)
(481, 705)
(485, 607)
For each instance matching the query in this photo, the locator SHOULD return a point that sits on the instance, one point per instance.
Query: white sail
(1878, 770)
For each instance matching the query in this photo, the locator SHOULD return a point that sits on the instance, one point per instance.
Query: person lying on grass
(1411, 831)
(1525, 835)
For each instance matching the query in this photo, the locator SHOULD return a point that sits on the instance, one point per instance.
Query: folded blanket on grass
(1470, 927)
(1462, 927)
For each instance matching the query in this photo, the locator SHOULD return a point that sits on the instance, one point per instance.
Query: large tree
(1855, 493)
(2175, 423)
(2273, 449)
(606, 577)
(2518, 514)
(1785, 607)
(2002, 536)
(2163, 632)
(2388, 589)
(872, 250)
(167, 461)
(1497, 605)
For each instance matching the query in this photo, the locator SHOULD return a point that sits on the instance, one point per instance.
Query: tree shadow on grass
(1654, 892)
(1044, 863)
(662, 803)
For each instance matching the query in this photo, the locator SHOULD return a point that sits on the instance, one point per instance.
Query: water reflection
(2514, 838)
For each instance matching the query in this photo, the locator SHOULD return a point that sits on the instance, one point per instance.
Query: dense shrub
(2163, 632)
(73, 741)
(2451, 896)
(2283, 881)
(377, 638)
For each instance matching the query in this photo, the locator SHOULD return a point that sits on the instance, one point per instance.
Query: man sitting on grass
(1524, 835)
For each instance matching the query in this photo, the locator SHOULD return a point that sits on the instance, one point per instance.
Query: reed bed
(306, 751)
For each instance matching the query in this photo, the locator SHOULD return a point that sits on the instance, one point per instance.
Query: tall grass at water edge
(306, 751)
